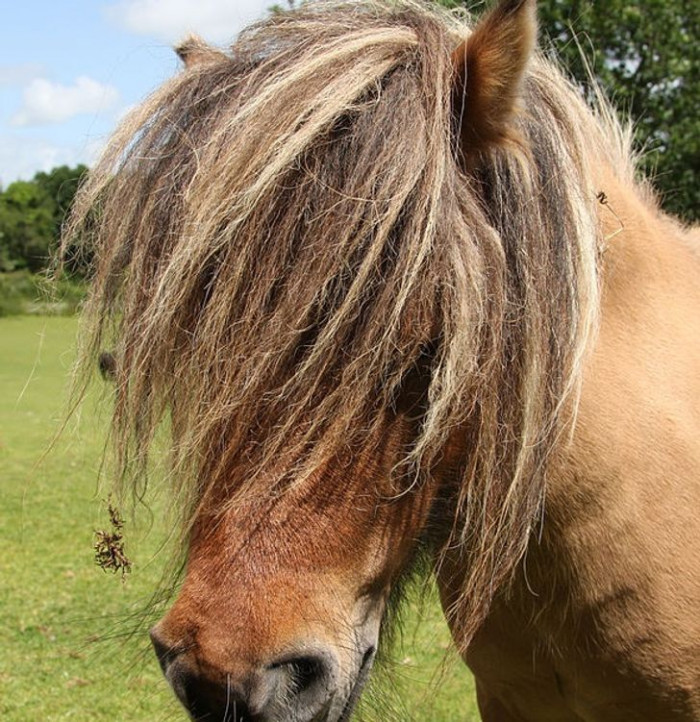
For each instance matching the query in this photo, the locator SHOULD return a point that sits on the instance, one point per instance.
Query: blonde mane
(283, 232)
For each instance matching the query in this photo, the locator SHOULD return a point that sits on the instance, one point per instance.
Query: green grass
(64, 624)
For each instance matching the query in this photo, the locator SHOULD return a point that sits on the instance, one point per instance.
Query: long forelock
(283, 233)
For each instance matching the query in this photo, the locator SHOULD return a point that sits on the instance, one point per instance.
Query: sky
(70, 69)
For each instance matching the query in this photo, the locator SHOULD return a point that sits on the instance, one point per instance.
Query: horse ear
(489, 67)
(193, 51)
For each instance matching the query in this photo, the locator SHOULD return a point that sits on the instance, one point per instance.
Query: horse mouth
(360, 682)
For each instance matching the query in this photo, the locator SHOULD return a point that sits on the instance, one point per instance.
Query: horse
(393, 293)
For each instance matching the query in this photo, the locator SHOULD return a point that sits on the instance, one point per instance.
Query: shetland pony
(393, 291)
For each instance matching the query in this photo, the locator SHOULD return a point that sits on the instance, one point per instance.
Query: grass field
(72, 647)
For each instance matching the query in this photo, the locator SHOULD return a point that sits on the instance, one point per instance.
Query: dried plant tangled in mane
(283, 233)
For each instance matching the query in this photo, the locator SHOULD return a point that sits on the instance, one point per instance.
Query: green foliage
(22, 292)
(17, 291)
(26, 227)
(61, 184)
(646, 57)
(64, 296)
(31, 216)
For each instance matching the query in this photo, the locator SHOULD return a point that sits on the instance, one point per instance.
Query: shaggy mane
(283, 233)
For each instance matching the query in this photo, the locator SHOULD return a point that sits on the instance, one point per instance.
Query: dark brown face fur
(283, 597)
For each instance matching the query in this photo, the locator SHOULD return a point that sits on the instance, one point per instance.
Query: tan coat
(603, 621)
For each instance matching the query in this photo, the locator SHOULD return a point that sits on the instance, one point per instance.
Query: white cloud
(170, 20)
(19, 74)
(45, 102)
(22, 157)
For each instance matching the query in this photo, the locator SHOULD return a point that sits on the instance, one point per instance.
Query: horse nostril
(207, 701)
(304, 672)
(164, 652)
(299, 685)
(367, 657)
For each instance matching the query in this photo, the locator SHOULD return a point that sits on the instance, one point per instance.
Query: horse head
(315, 296)
(280, 613)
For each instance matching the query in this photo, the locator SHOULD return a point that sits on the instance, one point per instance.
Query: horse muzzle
(304, 686)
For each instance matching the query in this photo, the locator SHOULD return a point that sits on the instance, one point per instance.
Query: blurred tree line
(31, 215)
(646, 57)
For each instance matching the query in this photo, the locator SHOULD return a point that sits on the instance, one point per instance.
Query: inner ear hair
(489, 68)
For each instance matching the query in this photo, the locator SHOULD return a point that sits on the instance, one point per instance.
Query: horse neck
(646, 254)
(633, 449)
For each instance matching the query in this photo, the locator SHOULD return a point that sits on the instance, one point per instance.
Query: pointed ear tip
(194, 51)
(524, 9)
(514, 16)
(530, 7)
(483, 27)
(517, 5)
